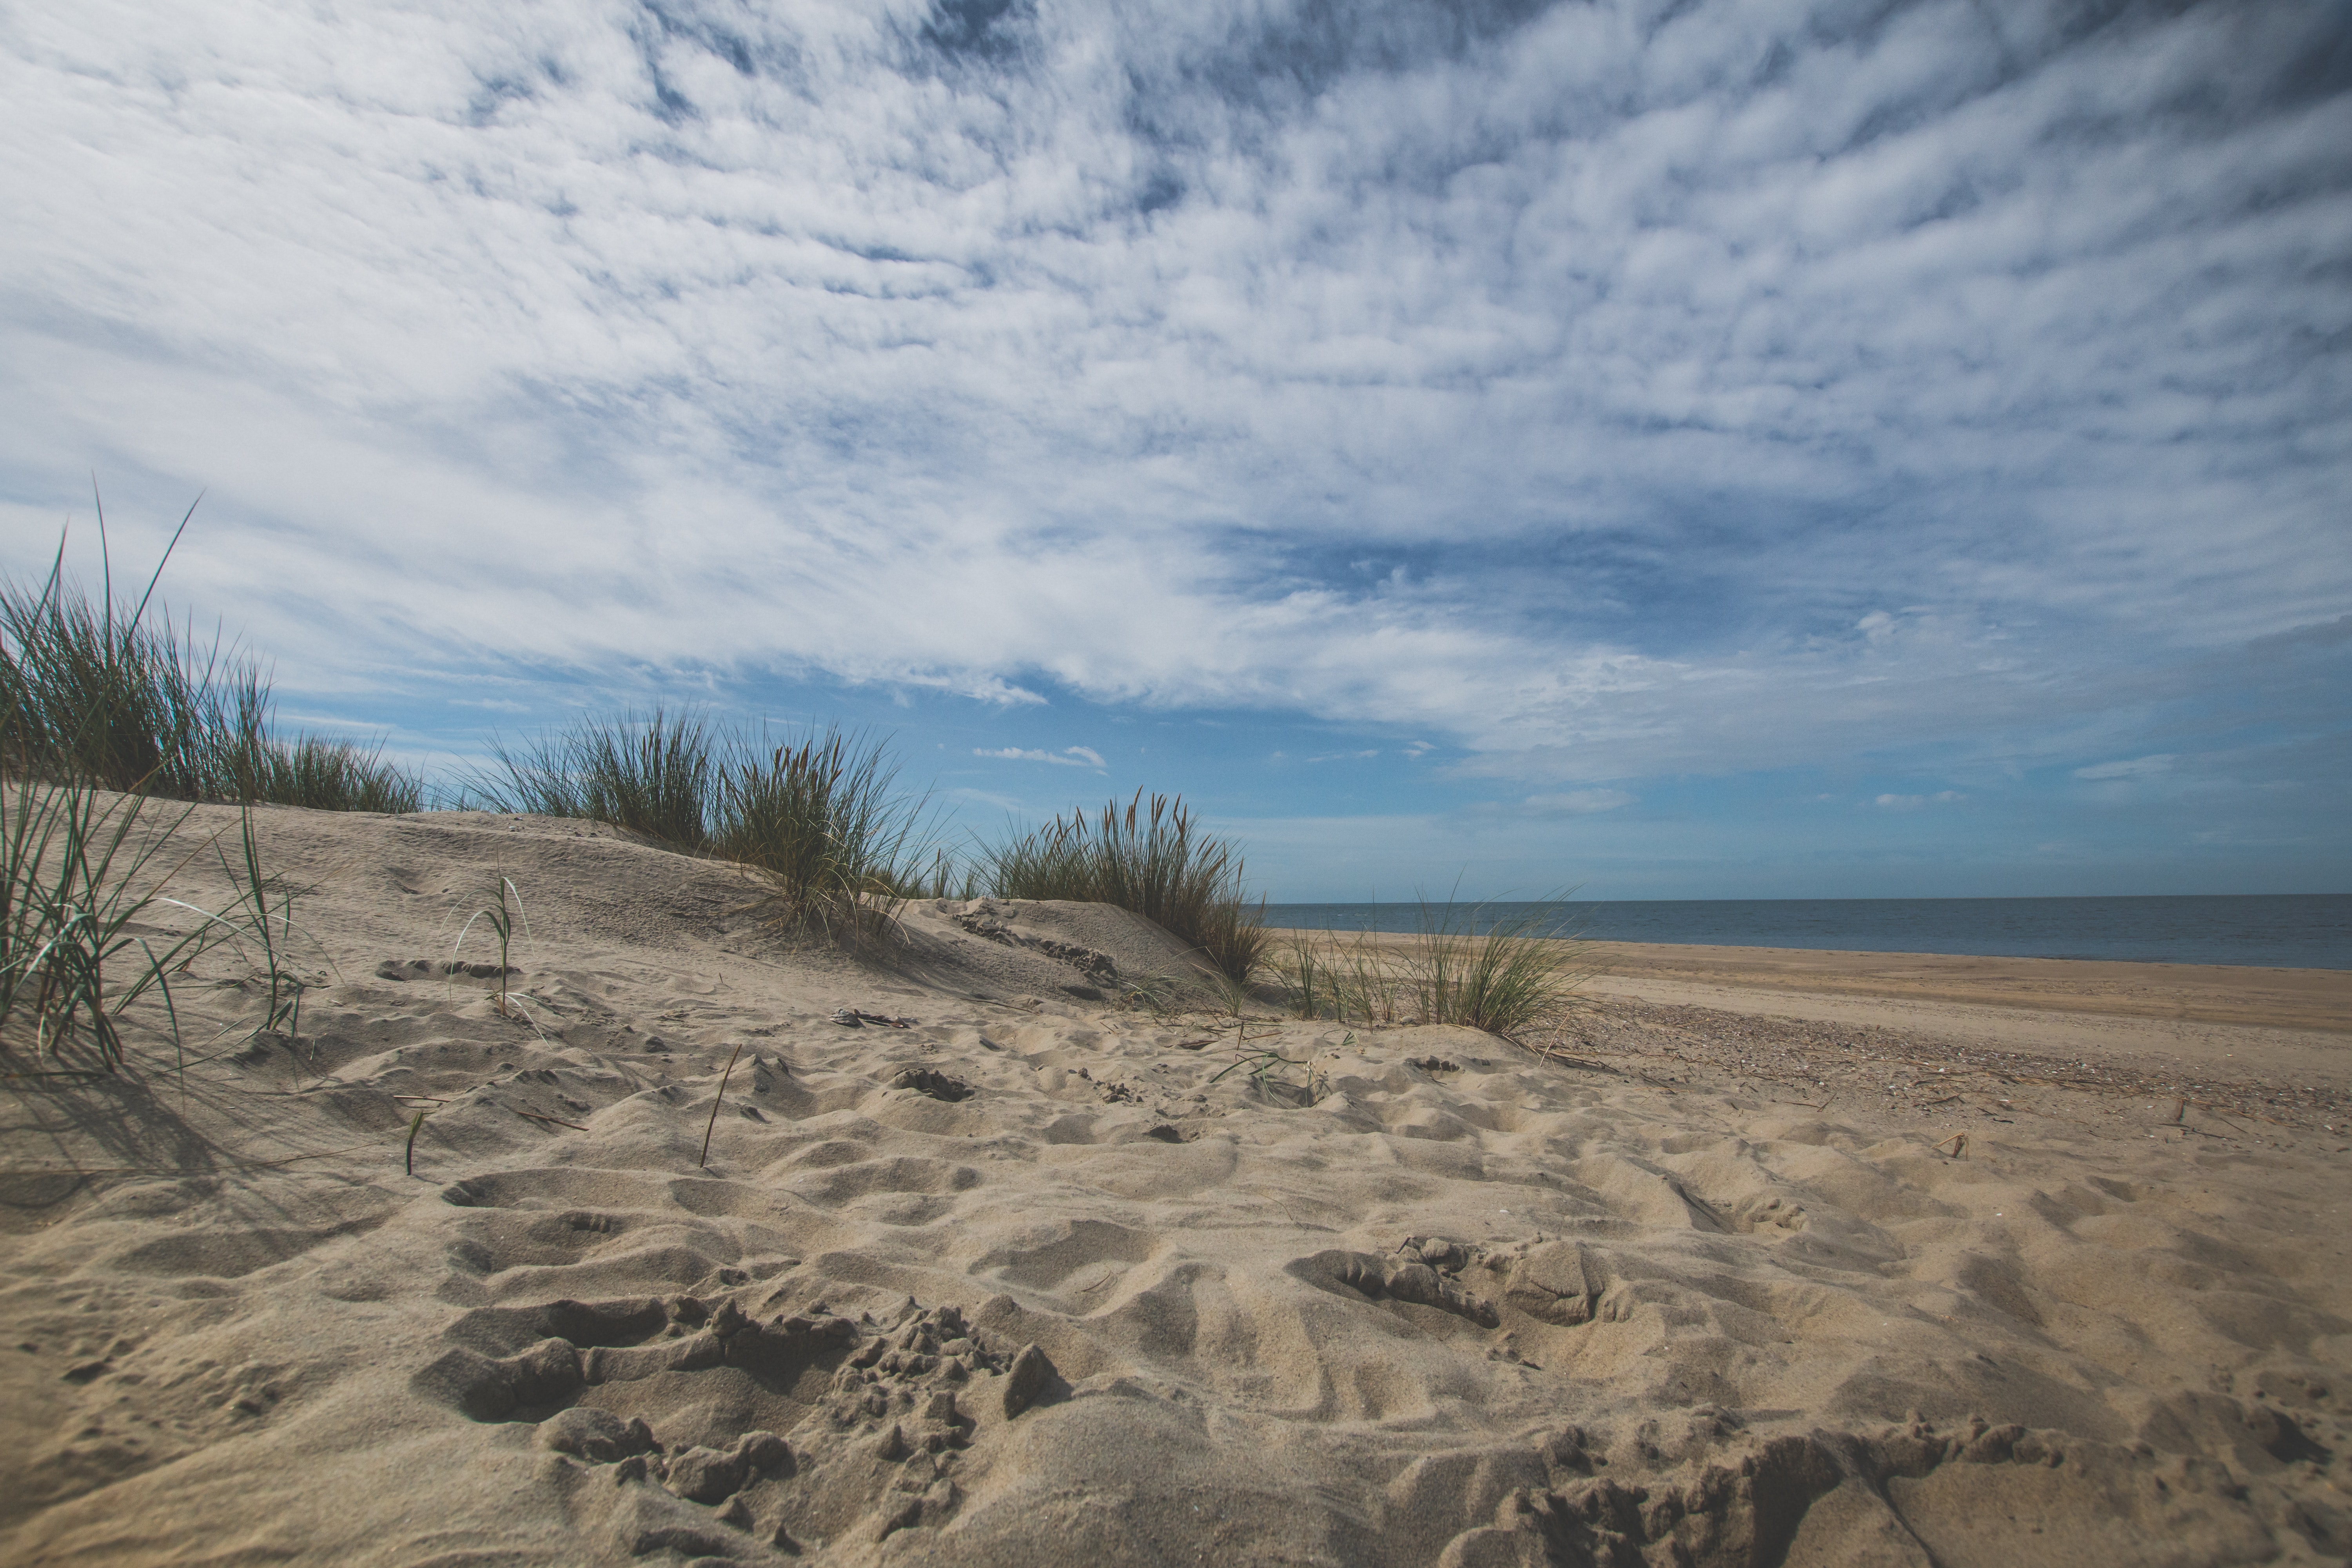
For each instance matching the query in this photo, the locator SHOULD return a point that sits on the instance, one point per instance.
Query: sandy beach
(1763, 1258)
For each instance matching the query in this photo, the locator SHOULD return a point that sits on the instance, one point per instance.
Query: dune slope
(984, 1268)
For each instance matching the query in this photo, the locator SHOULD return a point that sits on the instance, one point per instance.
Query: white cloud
(1914, 802)
(1069, 757)
(1578, 801)
(2137, 768)
(1608, 394)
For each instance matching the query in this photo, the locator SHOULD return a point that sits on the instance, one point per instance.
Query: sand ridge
(1038, 1279)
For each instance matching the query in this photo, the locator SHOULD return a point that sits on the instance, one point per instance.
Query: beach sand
(1769, 1257)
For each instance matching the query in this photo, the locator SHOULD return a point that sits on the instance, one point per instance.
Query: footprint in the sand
(1062, 1252)
(714, 1427)
(425, 969)
(1425, 1271)
(1903, 1494)
(532, 1232)
(935, 1085)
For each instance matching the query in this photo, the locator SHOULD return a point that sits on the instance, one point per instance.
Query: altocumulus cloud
(1609, 388)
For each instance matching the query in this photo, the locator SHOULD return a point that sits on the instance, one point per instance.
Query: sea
(2297, 931)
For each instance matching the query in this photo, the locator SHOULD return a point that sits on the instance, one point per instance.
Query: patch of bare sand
(2283, 999)
(1027, 1281)
(2268, 1046)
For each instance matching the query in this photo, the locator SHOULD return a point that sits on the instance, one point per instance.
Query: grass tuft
(103, 697)
(822, 820)
(496, 905)
(1149, 860)
(1461, 967)
(85, 863)
(825, 823)
(652, 775)
(71, 857)
(1503, 980)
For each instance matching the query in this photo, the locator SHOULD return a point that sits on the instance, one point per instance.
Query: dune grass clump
(321, 774)
(1503, 980)
(653, 776)
(88, 927)
(1458, 968)
(105, 698)
(826, 824)
(102, 719)
(1151, 861)
(1355, 977)
(823, 821)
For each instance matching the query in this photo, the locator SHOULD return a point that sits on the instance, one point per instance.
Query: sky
(1664, 451)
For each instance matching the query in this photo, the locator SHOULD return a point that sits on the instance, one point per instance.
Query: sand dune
(984, 1268)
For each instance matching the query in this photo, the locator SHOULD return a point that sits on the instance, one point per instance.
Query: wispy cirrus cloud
(1578, 801)
(1068, 757)
(2134, 768)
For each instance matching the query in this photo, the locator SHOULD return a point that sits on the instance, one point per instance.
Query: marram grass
(1153, 860)
(1501, 979)
(100, 695)
(100, 716)
(85, 935)
(821, 819)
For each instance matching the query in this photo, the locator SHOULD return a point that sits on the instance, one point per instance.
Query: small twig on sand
(1959, 1145)
(1564, 1060)
(704, 1162)
(558, 1120)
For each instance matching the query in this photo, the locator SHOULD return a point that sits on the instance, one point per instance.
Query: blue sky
(1679, 450)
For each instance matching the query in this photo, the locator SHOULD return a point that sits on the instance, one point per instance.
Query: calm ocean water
(2278, 932)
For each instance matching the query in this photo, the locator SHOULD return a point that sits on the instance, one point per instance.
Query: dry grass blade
(703, 1162)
